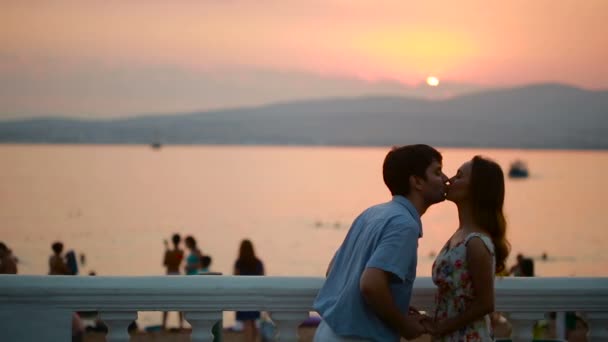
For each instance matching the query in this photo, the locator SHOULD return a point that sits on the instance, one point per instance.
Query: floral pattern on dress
(455, 291)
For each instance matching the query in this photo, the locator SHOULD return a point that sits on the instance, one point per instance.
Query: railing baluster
(598, 326)
(287, 323)
(118, 324)
(522, 324)
(202, 323)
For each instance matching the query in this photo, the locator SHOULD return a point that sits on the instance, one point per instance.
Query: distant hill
(538, 116)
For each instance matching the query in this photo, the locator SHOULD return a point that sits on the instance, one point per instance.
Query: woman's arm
(480, 266)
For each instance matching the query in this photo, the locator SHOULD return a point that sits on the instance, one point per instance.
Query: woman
(464, 269)
(248, 265)
(193, 261)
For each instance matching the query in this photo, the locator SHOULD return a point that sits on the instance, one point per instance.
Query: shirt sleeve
(396, 249)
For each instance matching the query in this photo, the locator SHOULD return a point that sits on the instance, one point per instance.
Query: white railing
(39, 308)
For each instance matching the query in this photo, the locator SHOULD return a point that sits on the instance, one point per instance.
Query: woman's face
(458, 190)
(189, 244)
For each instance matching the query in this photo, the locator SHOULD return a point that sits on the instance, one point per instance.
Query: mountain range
(535, 116)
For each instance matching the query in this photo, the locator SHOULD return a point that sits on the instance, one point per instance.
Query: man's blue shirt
(384, 236)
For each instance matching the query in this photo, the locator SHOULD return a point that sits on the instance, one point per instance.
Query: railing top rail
(269, 292)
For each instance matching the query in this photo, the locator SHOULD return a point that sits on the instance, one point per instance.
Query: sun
(432, 81)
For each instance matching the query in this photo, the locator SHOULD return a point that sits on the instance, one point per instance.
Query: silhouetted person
(193, 260)
(172, 260)
(527, 267)
(71, 262)
(173, 257)
(248, 264)
(57, 265)
(205, 264)
(523, 268)
(8, 262)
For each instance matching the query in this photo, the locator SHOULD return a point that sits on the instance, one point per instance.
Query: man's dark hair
(176, 239)
(57, 247)
(405, 161)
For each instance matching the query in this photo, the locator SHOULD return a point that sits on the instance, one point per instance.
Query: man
(369, 281)
(57, 265)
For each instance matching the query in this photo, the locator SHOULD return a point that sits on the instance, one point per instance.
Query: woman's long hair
(247, 259)
(487, 190)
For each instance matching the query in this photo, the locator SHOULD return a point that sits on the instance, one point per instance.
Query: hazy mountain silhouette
(538, 116)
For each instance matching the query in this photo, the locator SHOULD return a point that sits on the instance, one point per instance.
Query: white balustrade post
(288, 322)
(118, 324)
(522, 324)
(598, 326)
(202, 323)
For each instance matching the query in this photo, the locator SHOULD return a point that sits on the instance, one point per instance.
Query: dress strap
(486, 240)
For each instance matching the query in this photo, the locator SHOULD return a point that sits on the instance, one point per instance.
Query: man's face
(434, 188)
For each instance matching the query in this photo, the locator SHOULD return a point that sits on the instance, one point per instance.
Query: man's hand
(412, 326)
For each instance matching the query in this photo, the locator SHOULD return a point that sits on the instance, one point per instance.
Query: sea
(116, 204)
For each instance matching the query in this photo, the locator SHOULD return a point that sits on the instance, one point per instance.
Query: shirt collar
(410, 207)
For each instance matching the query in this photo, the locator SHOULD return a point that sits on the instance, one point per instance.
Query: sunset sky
(118, 58)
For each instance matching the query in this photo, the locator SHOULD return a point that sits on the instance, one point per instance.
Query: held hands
(426, 323)
(430, 326)
(412, 327)
(434, 328)
(418, 324)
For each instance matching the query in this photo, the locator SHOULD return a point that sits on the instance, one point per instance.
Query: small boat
(156, 143)
(518, 170)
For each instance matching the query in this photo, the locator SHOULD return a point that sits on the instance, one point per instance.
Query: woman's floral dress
(455, 290)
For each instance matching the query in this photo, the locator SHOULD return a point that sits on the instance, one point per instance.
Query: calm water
(116, 204)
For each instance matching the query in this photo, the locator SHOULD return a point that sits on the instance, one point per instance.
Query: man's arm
(166, 258)
(331, 263)
(375, 289)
